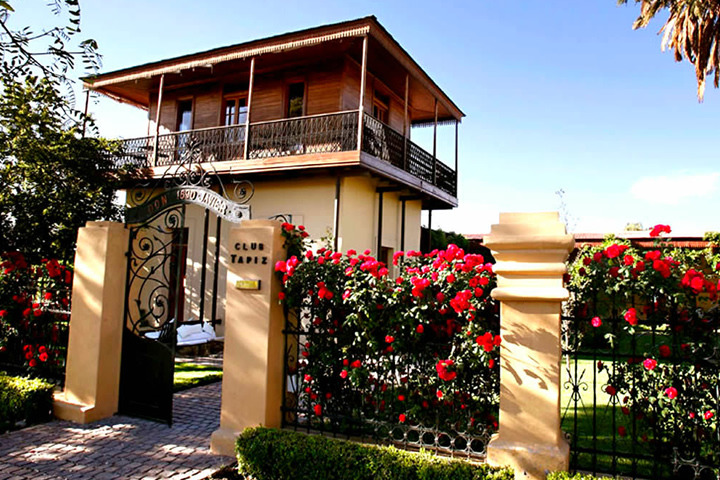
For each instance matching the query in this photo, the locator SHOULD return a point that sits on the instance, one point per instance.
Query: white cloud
(671, 190)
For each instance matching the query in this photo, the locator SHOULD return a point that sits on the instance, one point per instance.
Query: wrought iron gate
(155, 291)
(153, 301)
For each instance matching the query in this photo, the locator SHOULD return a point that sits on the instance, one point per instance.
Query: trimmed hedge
(24, 401)
(268, 454)
(568, 476)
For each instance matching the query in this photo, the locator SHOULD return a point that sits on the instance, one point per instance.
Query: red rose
(658, 229)
(443, 372)
(318, 409)
(610, 390)
(628, 260)
(43, 357)
(389, 339)
(708, 415)
(344, 374)
(402, 418)
(631, 316)
(420, 328)
(356, 364)
(587, 261)
(650, 363)
(596, 322)
(614, 271)
(671, 392)
(281, 296)
(664, 351)
(401, 398)
(622, 431)
(613, 251)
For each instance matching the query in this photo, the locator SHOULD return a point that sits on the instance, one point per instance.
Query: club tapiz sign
(219, 205)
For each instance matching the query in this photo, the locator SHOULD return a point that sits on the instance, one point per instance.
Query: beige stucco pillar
(253, 355)
(530, 249)
(92, 373)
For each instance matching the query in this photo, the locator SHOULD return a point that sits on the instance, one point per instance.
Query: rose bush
(652, 319)
(415, 342)
(34, 301)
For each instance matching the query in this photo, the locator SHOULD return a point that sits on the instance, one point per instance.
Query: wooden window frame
(381, 105)
(233, 96)
(286, 95)
(177, 111)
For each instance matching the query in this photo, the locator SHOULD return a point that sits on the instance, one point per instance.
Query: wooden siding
(267, 101)
(351, 93)
(322, 95)
(208, 109)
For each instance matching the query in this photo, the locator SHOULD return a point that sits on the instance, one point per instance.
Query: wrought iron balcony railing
(315, 134)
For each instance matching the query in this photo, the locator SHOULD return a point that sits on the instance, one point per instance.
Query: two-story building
(319, 121)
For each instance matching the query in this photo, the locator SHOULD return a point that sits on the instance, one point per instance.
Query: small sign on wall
(252, 253)
(247, 284)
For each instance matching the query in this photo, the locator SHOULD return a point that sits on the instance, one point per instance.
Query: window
(235, 110)
(184, 118)
(380, 107)
(296, 100)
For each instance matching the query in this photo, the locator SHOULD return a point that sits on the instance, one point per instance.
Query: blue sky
(559, 94)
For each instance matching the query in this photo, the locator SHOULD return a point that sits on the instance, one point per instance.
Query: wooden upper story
(292, 102)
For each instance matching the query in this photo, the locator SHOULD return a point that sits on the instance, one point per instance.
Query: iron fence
(357, 414)
(640, 400)
(314, 134)
(305, 135)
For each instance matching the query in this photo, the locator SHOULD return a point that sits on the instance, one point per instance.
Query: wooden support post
(456, 156)
(157, 119)
(434, 165)
(249, 107)
(405, 121)
(361, 106)
(530, 250)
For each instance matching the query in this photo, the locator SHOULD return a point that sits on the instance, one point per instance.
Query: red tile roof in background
(638, 239)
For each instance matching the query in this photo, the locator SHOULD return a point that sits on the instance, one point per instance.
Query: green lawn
(188, 375)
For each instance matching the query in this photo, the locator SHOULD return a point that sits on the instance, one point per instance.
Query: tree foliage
(49, 53)
(52, 181)
(692, 30)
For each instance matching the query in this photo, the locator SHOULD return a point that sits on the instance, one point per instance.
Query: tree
(50, 53)
(52, 181)
(692, 30)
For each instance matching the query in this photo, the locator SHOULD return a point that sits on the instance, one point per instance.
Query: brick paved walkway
(120, 447)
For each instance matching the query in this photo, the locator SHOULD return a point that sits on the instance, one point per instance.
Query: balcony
(318, 134)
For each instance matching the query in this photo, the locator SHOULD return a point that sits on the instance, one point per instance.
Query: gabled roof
(279, 43)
